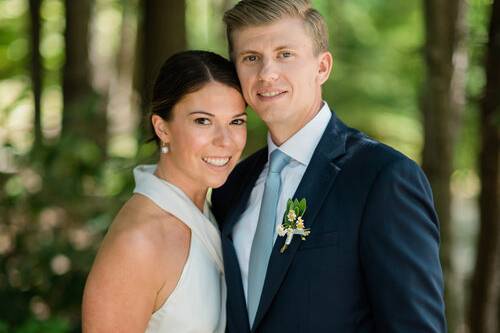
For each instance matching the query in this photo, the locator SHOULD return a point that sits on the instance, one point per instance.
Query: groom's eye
(250, 58)
(202, 121)
(286, 54)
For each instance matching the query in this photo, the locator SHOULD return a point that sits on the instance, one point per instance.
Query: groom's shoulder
(368, 152)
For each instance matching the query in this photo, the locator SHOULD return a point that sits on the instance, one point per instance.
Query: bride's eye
(202, 121)
(239, 121)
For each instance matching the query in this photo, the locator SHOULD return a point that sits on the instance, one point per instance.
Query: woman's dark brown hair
(186, 72)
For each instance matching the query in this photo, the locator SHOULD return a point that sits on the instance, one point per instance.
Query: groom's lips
(271, 94)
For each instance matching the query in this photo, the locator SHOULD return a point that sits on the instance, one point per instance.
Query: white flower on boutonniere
(293, 224)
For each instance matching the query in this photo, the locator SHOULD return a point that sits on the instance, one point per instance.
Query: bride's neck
(196, 193)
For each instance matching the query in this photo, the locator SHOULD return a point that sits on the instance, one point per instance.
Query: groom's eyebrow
(278, 48)
(242, 53)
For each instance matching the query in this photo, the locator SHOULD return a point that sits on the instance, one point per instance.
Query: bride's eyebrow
(202, 112)
(240, 115)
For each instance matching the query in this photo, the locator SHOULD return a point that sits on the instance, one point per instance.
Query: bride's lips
(217, 161)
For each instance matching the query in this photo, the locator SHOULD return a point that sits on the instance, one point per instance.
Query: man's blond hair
(247, 13)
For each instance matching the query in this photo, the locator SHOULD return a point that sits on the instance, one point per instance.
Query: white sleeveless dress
(198, 302)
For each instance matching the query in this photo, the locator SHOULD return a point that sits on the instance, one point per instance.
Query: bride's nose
(222, 136)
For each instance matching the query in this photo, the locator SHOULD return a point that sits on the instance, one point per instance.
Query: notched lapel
(236, 299)
(241, 199)
(314, 187)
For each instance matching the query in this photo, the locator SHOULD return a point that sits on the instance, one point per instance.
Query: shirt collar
(302, 144)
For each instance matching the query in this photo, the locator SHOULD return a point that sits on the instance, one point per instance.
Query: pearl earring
(164, 148)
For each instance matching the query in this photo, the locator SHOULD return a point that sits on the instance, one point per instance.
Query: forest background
(75, 76)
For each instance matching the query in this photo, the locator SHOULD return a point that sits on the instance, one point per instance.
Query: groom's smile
(271, 95)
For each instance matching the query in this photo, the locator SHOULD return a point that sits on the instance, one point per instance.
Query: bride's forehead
(213, 95)
(226, 102)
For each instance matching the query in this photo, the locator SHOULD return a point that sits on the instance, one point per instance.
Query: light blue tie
(263, 240)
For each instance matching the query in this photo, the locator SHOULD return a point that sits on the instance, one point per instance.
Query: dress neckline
(173, 200)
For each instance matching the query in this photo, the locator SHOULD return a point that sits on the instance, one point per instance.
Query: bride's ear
(160, 127)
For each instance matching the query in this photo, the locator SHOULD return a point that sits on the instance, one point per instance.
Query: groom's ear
(160, 127)
(325, 66)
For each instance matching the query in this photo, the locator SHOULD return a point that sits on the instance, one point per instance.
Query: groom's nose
(268, 71)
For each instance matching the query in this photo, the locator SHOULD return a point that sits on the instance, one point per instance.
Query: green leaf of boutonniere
(293, 224)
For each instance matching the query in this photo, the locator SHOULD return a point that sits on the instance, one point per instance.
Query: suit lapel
(314, 186)
(239, 201)
(237, 309)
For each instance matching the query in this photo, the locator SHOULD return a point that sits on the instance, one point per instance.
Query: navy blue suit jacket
(371, 262)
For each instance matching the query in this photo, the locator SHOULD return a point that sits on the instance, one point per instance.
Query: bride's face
(206, 135)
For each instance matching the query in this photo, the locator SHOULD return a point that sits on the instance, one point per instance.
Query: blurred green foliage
(57, 202)
(37, 326)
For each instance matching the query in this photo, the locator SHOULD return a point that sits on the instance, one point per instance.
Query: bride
(159, 268)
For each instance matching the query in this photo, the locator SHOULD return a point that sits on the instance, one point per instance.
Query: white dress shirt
(300, 147)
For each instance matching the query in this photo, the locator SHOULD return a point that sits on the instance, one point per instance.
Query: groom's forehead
(284, 32)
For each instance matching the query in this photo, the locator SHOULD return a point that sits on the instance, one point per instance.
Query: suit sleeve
(399, 246)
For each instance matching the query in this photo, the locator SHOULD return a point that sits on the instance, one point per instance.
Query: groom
(371, 260)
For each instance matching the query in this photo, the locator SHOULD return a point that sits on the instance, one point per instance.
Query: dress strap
(173, 200)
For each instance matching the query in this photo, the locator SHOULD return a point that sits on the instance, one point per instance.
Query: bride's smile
(217, 161)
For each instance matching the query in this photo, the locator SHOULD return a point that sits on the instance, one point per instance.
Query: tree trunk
(36, 71)
(163, 34)
(123, 105)
(83, 117)
(442, 108)
(485, 293)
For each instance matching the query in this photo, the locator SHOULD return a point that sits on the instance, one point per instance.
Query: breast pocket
(328, 239)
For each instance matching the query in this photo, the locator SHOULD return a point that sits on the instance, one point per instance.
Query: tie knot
(278, 161)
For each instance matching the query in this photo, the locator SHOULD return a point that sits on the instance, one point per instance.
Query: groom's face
(280, 73)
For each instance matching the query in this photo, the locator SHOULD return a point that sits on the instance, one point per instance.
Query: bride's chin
(216, 183)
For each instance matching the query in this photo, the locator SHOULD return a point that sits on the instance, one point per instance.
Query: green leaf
(303, 205)
(289, 205)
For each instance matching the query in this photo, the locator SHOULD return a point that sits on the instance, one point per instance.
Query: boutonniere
(293, 224)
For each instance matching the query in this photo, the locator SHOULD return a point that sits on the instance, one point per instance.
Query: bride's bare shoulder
(143, 232)
(144, 250)
(141, 215)
(140, 237)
